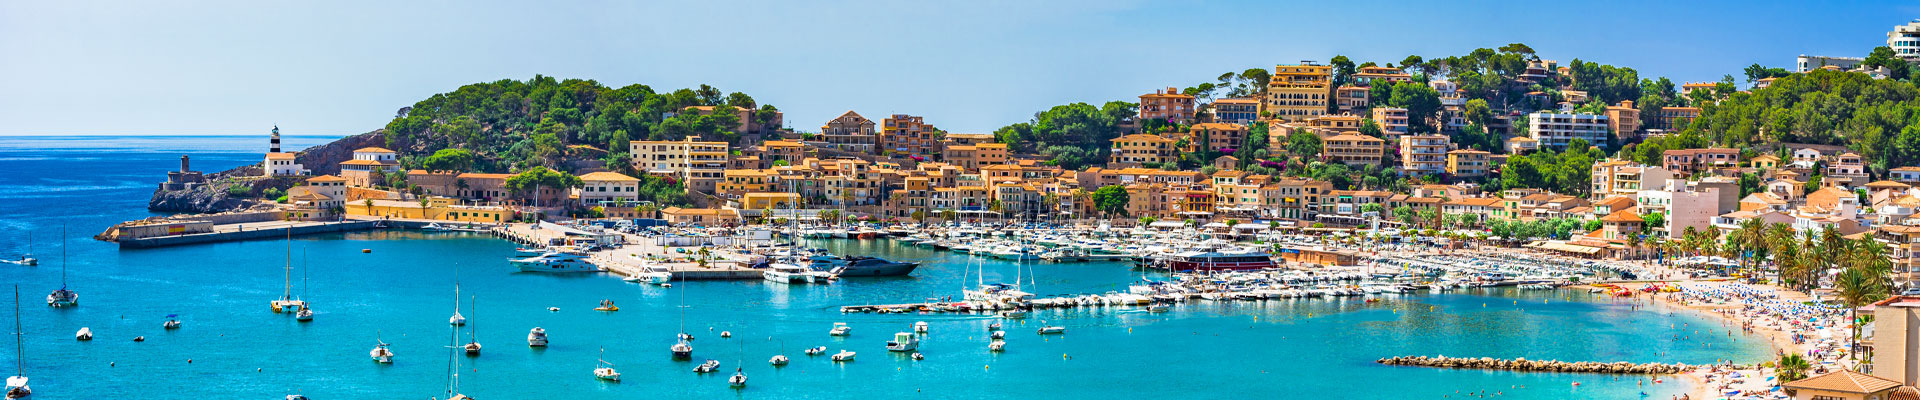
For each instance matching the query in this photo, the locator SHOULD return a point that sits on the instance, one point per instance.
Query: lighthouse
(275, 140)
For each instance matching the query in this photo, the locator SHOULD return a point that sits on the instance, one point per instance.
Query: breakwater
(1525, 365)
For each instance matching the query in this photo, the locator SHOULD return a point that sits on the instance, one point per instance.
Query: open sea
(233, 347)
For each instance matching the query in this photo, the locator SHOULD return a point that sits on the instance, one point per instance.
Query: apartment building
(850, 132)
(1144, 149)
(1468, 163)
(368, 165)
(1905, 41)
(1687, 161)
(701, 165)
(607, 188)
(1424, 154)
(1167, 105)
(1671, 118)
(1217, 136)
(1353, 149)
(976, 156)
(907, 134)
(1623, 178)
(1556, 129)
(1351, 99)
(1378, 75)
(1241, 111)
(1392, 120)
(1623, 119)
(1297, 92)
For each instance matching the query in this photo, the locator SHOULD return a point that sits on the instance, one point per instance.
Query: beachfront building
(434, 208)
(700, 165)
(1241, 111)
(1298, 92)
(1468, 163)
(849, 132)
(1557, 129)
(604, 188)
(1143, 149)
(369, 166)
(1423, 155)
(1842, 385)
(1167, 105)
(1353, 149)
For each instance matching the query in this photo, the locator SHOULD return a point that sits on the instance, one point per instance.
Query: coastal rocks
(1524, 365)
(219, 193)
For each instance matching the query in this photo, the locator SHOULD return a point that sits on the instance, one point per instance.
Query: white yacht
(920, 327)
(778, 360)
(817, 351)
(787, 273)
(537, 337)
(681, 350)
(843, 355)
(840, 329)
(708, 366)
(997, 346)
(903, 341)
(1051, 330)
(556, 262)
(171, 323)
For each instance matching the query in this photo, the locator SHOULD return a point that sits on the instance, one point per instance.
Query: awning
(1570, 248)
(1166, 224)
(1214, 225)
(1258, 227)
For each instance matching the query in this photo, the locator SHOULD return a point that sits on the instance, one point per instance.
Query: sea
(399, 288)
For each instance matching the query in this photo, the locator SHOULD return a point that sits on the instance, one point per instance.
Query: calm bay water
(403, 292)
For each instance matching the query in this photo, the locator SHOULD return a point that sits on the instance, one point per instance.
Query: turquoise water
(402, 292)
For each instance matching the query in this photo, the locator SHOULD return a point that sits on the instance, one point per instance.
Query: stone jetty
(1522, 364)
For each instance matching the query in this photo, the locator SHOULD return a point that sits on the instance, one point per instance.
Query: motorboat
(997, 335)
(843, 355)
(738, 380)
(171, 323)
(997, 346)
(1158, 308)
(903, 341)
(917, 356)
(607, 305)
(381, 354)
(555, 262)
(537, 337)
(856, 266)
(85, 333)
(920, 327)
(778, 360)
(817, 351)
(993, 327)
(1052, 330)
(997, 292)
(707, 367)
(1013, 314)
(651, 274)
(788, 273)
(840, 329)
(296, 397)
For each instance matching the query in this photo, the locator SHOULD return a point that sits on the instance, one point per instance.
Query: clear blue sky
(338, 67)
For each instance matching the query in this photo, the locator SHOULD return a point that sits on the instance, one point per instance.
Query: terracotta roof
(608, 176)
(326, 178)
(1887, 185)
(1844, 381)
(1141, 137)
(372, 150)
(1763, 197)
(1363, 138)
(278, 156)
(483, 176)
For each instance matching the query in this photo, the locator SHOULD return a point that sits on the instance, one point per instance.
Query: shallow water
(402, 293)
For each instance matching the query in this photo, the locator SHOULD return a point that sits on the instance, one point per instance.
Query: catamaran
(63, 297)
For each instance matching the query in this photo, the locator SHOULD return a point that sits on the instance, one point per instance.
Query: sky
(342, 67)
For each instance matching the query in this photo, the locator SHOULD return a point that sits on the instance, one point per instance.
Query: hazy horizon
(341, 68)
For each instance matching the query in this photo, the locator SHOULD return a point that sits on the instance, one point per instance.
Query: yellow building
(1298, 92)
(1352, 149)
(741, 182)
(1144, 149)
(701, 165)
(436, 208)
(769, 201)
(1468, 163)
(907, 134)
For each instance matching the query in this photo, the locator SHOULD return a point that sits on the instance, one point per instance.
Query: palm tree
(1792, 368)
(647, 209)
(1857, 287)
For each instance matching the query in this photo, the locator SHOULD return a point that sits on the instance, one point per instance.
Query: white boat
(681, 350)
(171, 322)
(381, 354)
(286, 303)
(85, 333)
(604, 370)
(843, 355)
(840, 329)
(17, 384)
(997, 345)
(996, 335)
(1052, 330)
(920, 327)
(707, 367)
(555, 262)
(63, 297)
(537, 337)
(305, 314)
(738, 380)
(1013, 314)
(817, 351)
(788, 273)
(651, 274)
(457, 319)
(903, 341)
(778, 360)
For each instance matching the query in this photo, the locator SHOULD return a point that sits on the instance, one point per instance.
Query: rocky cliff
(242, 187)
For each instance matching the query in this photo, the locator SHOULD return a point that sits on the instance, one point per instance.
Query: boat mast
(63, 256)
(19, 347)
(288, 294)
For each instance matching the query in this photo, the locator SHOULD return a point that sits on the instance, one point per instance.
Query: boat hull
(895, 269)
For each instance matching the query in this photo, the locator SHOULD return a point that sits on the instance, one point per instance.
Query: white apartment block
(1556, 130)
